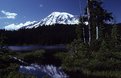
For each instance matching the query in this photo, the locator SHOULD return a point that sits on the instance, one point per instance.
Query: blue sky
(24, 11)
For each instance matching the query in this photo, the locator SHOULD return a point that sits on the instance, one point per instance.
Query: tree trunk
(89, 25)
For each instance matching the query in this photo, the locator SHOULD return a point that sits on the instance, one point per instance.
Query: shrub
(35, 56)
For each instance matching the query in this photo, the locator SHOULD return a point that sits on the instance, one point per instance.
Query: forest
(47, 35)
(43, 35)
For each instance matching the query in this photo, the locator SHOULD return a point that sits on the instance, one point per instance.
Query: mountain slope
(55, 18)
(59, 18)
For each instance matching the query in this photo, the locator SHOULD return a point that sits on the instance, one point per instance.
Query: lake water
(36, 47)
(40, 71)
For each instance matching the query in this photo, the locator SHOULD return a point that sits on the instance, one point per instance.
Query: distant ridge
(53, 18)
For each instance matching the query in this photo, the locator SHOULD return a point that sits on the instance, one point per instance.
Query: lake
(37, 47)
(40, 71)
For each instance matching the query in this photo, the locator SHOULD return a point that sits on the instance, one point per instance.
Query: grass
(32, 57)
(9, 69)
(105, 74)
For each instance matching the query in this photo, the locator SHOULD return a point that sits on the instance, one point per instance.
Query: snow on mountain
(59, 18)
(32, 25)
(18, 26)
(53, 18)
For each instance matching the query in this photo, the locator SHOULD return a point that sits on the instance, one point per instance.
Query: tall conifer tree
(97, 18)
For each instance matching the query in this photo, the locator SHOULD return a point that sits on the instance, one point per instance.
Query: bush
(77, 57)
(96, 62)
(105, 59)
(35, 56)
(15, 74)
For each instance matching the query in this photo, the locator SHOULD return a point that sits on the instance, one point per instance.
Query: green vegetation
(9, 68)
(43, 35)
(103, 74)
(106, 62)
(11, 71)
(91, 56)
(32, 57)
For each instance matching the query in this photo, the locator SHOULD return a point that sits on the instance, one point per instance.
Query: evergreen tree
(97, 18)
(115, 43)
(81, 29)
(2, 43)
(78, 56)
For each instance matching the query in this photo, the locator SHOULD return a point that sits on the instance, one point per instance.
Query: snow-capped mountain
(33, 25)
(53, 18)
(20, 25)
(59, 18)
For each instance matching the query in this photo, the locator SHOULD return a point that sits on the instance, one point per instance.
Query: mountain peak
(59, 18)
(61, 13)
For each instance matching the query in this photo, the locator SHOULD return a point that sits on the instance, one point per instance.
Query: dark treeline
(46, 35)
(43, 35)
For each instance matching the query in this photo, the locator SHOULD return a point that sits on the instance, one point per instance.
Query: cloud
(8, 15)
(18, 26)
(41, 5)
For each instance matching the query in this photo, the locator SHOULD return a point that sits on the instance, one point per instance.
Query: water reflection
(42, 71)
